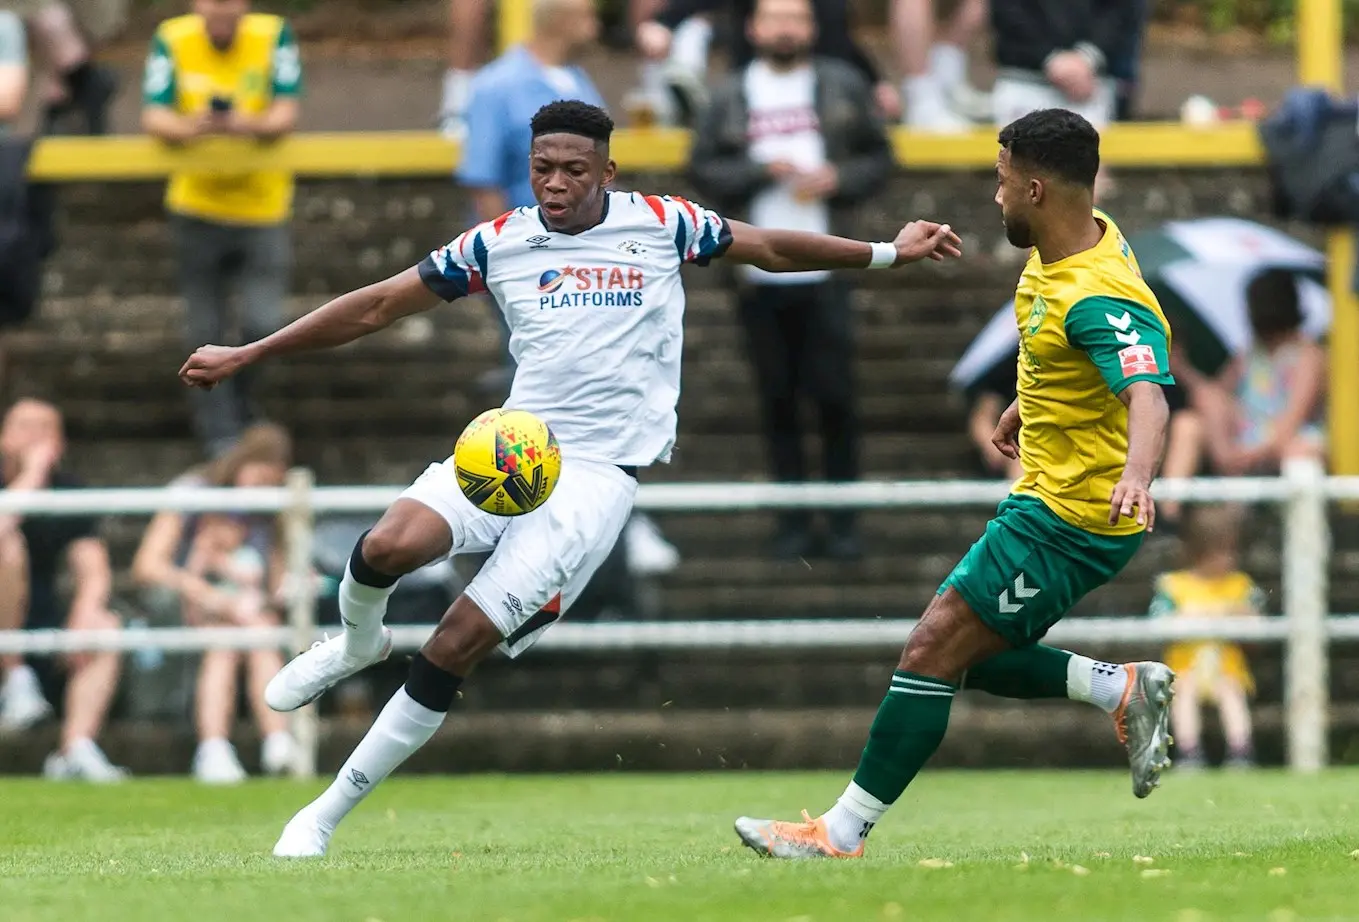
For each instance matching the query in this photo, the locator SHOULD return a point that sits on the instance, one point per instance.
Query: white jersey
(595, 318)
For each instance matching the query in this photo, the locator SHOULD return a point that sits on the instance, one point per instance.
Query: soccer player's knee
(463, 638)
(391, 549)
(921, 656)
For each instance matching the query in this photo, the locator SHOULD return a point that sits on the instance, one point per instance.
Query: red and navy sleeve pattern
(700, 235)
(459, 269)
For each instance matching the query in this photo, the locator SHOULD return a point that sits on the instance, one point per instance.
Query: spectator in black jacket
(792, 141)
(679, 35)
(1057, 53)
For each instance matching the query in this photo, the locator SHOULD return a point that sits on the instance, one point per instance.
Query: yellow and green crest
(1036, 314)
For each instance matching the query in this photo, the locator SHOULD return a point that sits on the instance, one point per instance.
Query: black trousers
(801, 342)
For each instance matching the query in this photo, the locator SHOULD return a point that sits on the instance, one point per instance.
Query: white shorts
(1013, 98)
(540, 562)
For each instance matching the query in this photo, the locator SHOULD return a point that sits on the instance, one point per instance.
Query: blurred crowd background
(792, 104)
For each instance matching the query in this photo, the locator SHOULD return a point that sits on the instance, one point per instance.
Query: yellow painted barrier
(1321, 63)
(515, 22)
(422, 153)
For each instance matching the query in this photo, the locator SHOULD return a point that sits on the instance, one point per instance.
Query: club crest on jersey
(1036, 314)
(591, 286)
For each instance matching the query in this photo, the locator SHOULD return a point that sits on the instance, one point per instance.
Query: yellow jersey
(1186, 594)
(1088, 327)
(185, 72)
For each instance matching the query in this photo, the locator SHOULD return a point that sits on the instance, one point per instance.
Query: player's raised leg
(1137, 695)
(541, 562)
(463, 638)
(908, 728)
(409, 535)
(1014, 583)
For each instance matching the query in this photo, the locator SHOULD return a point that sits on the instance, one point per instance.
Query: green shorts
(1031, 567)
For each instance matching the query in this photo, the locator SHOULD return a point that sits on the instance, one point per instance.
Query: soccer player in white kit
(589, 282)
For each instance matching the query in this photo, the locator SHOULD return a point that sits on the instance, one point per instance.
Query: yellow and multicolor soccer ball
(507, 462)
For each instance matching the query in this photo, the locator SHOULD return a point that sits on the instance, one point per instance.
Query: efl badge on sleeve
(1138, 360)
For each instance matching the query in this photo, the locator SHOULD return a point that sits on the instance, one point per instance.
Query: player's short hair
(571, 116)
(1272, 302)
(1056, 142)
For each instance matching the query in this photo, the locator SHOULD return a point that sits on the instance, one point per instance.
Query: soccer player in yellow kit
(1089, 427)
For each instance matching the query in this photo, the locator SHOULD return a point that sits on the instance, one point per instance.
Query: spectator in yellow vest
(223, 70)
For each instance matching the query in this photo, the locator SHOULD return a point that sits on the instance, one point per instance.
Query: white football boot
(311, 674)
(304, 836)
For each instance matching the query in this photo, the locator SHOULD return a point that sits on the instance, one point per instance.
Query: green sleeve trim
(1125, 340)
(287, 64)
(1162, 605)
(160, 86)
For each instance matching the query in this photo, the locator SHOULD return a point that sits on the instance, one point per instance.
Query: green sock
(1029, 672)
(908, 729)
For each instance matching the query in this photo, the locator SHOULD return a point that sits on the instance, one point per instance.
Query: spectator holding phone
(223, 70)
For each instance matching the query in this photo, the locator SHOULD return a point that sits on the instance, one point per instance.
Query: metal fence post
(299, 524)
(1306, 555)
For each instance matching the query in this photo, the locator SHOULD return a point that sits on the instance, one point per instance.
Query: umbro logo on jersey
(633, 247)
(538, 242)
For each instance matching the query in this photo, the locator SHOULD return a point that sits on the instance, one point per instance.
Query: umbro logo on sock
(867, 828)
(1107, 668)
(358, 778)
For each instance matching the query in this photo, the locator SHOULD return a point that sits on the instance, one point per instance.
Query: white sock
(849, 822)
(457, 88)
(689, 45)
(361, 610)
(1096, 682)
(402, 728)
(948, 64)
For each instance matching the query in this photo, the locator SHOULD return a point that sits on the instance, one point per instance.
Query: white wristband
(884, 255)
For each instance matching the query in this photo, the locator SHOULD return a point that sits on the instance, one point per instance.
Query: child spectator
(1272, 396)
(224, 570)
(1210, 671)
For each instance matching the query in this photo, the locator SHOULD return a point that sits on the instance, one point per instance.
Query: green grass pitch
(961, 846)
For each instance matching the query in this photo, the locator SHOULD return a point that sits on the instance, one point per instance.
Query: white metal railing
(1305, 630)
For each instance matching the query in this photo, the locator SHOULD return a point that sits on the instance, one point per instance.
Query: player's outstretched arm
(334, 323)
(1148, 417)
(800, 251)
